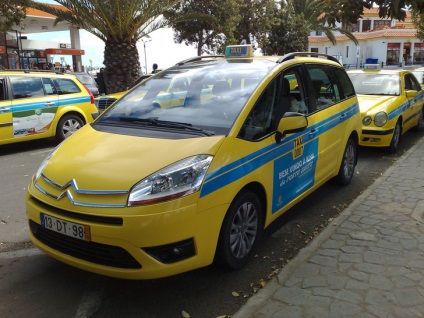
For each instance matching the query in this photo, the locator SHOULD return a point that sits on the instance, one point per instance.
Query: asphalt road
(34, 285)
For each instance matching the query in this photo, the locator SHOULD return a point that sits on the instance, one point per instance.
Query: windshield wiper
(153, 121)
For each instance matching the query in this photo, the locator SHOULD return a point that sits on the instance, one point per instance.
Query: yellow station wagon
(40, 104)
(149, 191)
(391, 103)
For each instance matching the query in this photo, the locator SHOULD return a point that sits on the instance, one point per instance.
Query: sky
(160, 50)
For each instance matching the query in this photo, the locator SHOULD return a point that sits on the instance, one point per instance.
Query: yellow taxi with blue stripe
(147, 191)
(391, 103)
(42, 104)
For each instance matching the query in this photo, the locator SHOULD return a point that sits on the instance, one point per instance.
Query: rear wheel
(420, 124)
(68, 125)
(240, 231)
(347, 167)
(394, 144)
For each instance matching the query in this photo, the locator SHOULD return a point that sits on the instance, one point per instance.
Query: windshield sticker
(294, 173)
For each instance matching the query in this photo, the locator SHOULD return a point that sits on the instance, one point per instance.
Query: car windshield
(85, 79)
(208, 94)
(376, 84)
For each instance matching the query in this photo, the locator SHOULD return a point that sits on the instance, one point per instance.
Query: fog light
(172, 253)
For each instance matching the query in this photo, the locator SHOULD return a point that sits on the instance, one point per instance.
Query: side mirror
(291, 123)
(411, 94)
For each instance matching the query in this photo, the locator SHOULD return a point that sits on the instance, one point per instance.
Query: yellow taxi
(391, 103)
(104, 101)
(147, 191)
(41, 104)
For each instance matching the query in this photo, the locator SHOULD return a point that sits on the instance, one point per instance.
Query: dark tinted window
(65, 86)
(326, 91)
(345, 83)
(26, 87)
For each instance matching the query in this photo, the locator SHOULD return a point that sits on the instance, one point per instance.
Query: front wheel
(240, 231)
(394, 144)
(68, 125)
(348, 164)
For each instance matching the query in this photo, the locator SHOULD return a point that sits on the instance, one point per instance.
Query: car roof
(388, 72)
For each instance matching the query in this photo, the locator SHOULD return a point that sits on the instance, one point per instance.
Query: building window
(381, 23)
(393, 53)
(366, 25)
(351, 27)
(318, 33)
(347, 51)
(314, 49)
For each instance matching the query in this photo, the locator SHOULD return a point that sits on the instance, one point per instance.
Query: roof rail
(292, 55)
(30, 71)
(197, 58)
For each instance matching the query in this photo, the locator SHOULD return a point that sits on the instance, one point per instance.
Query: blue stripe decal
(24, 106)
(241, 167)
(399, 110)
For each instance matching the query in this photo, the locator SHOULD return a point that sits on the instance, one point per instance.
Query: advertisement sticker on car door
(294, 173)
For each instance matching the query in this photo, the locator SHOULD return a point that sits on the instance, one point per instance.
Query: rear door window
(26, 87)
(326, 92)
(65, 86)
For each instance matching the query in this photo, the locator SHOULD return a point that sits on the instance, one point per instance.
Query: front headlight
(177, 180)
(367, 120)
(380, 119)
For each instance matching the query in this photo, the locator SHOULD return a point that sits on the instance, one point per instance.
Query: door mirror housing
(291, 123)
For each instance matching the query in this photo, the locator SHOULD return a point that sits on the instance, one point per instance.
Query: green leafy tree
(12, 12)
(207, 24)
(289, 34)
(317, 17)
(257, 19)
(120, 24)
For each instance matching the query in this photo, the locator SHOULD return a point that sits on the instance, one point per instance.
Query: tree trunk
(122, 66)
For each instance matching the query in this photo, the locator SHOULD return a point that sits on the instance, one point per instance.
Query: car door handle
(313, 133)
(49, 104)
(343, 116)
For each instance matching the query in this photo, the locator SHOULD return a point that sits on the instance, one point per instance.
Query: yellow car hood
(374, 103)
(106, 161)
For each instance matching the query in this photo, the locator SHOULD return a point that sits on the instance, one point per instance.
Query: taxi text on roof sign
(239, 51)
(372, 67)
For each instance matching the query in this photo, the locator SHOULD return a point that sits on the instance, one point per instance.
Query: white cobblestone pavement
(369, 262)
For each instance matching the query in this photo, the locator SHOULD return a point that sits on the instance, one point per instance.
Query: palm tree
(120, 24)
(316, 18)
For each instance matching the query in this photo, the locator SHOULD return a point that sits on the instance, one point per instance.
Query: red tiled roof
(367, 35)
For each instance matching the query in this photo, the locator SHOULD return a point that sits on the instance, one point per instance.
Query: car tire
(347, 167)
(240, 231)
(68, 125)
(394, 144)
(420, 124)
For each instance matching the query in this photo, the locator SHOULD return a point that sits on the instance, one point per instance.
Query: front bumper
(376, 137)
(129, 242)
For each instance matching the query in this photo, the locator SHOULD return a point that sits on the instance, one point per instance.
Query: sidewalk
(369, 262)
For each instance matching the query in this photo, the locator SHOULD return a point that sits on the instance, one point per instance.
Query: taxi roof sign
(372, 67)
(239, 51)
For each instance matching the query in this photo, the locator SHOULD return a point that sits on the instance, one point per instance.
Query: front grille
(89, 251)
(105, 220)
(104, 103)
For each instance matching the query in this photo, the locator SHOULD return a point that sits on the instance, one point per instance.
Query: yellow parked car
(40, 104)
(148, 190)
(391, 103)
(104, 101)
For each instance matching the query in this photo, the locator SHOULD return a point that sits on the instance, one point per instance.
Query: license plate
(75, 230)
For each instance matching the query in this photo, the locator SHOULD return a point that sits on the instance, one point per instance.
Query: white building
(384, 41)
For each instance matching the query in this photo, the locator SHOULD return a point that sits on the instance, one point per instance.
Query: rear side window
(411, 83)
(326, 92)
(49, 87)
(26, 87)
(345, 82)
(65, 86)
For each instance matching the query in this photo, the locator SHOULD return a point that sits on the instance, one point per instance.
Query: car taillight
(91, 94)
